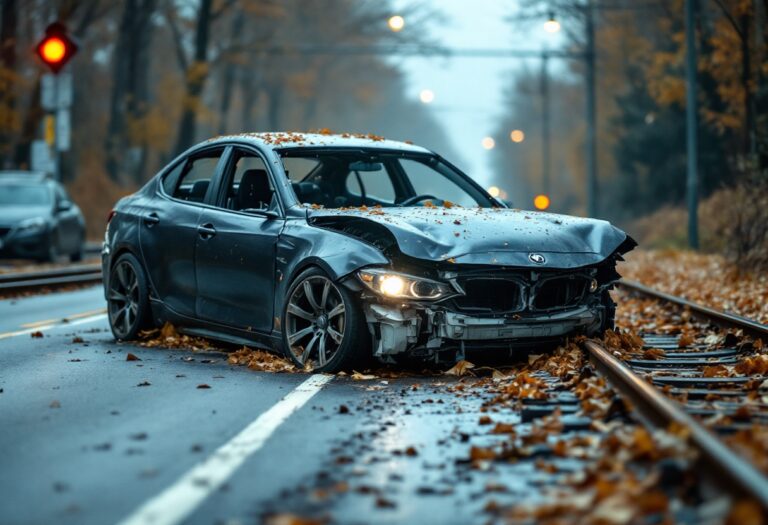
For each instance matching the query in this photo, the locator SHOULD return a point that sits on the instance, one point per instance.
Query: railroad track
(45, 279)
(712, 390)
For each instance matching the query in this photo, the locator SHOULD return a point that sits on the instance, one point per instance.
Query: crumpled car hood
(505, 237)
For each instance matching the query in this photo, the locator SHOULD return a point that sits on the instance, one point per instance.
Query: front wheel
(323, 328)
(127, 298)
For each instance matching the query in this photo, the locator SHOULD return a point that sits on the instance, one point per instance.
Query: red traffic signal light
(56, 48)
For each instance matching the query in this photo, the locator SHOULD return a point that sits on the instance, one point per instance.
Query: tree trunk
(8, 65)
(196, 74)
(750, 143)
(130, 86)
(230, 68)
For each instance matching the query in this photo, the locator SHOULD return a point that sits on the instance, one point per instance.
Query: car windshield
(24, 195)
(344, 178)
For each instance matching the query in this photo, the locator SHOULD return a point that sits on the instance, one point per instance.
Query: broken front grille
(489, 295)
(559, 292)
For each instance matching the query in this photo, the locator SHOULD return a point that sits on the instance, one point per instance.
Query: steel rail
(720, 318)
(725, 466)
(23, 281)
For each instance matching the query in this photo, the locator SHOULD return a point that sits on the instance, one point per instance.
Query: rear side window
(171, 180)
(190, 180)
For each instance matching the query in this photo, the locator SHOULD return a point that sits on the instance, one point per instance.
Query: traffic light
(56, 48)
(541, 202)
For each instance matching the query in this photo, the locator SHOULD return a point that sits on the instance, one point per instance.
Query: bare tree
(130, 86)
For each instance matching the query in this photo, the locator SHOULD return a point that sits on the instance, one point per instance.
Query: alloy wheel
(315, 321)
(123, 298)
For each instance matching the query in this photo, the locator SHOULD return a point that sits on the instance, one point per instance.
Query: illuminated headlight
(401, 286)
(31, 225)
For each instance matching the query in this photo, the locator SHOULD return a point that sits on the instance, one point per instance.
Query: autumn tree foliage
(640, 54)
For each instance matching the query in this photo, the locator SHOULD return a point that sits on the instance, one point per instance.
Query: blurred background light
(541, 202)
(396, 23)
(427, 96)
(517, 135)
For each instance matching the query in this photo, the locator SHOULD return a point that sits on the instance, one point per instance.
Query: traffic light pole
(55, 50)
(56, 138)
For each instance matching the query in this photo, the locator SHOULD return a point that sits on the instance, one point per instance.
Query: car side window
(171, 179)
(373, 182)
(250, 186)
(196, 177)
(61, 194)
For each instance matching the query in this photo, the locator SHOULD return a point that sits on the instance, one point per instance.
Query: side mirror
(64, 205)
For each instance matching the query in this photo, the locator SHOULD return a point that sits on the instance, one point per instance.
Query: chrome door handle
(206, 231)
(151, 219)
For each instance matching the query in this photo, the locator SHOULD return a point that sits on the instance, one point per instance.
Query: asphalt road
(81, 442)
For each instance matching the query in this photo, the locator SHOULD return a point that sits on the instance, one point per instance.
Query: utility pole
(691, 125)
(545, 139)
(592, 189)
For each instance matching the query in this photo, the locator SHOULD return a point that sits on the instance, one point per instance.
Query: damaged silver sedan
(336, 248)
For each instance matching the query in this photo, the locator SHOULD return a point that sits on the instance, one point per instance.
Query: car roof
(23, 176)
(280, 140)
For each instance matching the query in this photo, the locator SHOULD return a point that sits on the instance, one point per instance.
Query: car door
(169, 228)
(235, 254)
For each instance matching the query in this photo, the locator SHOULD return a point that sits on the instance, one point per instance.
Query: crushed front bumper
(399, 329)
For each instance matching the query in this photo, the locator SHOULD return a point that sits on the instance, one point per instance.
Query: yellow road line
(38, 323)
(65, 319)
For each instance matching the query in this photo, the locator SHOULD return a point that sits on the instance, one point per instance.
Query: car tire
(316, 311)
(51, 255)
(128, 298)
(78, 255)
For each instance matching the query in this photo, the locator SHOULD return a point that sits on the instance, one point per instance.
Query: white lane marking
(60, 324)
(178, 501)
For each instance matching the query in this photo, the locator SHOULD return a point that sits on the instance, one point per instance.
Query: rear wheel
(323, 327)
(127, 298)
(78, 255)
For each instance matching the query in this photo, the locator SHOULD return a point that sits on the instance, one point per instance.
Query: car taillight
(109, 217)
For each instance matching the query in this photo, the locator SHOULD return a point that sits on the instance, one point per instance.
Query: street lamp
(488, 143)
(517, 136)
(427, 96)
(551, 25)
(494, 191)
(396, 23)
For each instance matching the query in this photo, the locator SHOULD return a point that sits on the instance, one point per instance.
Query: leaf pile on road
(169, 337)
(702, 278)
(260, 360)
